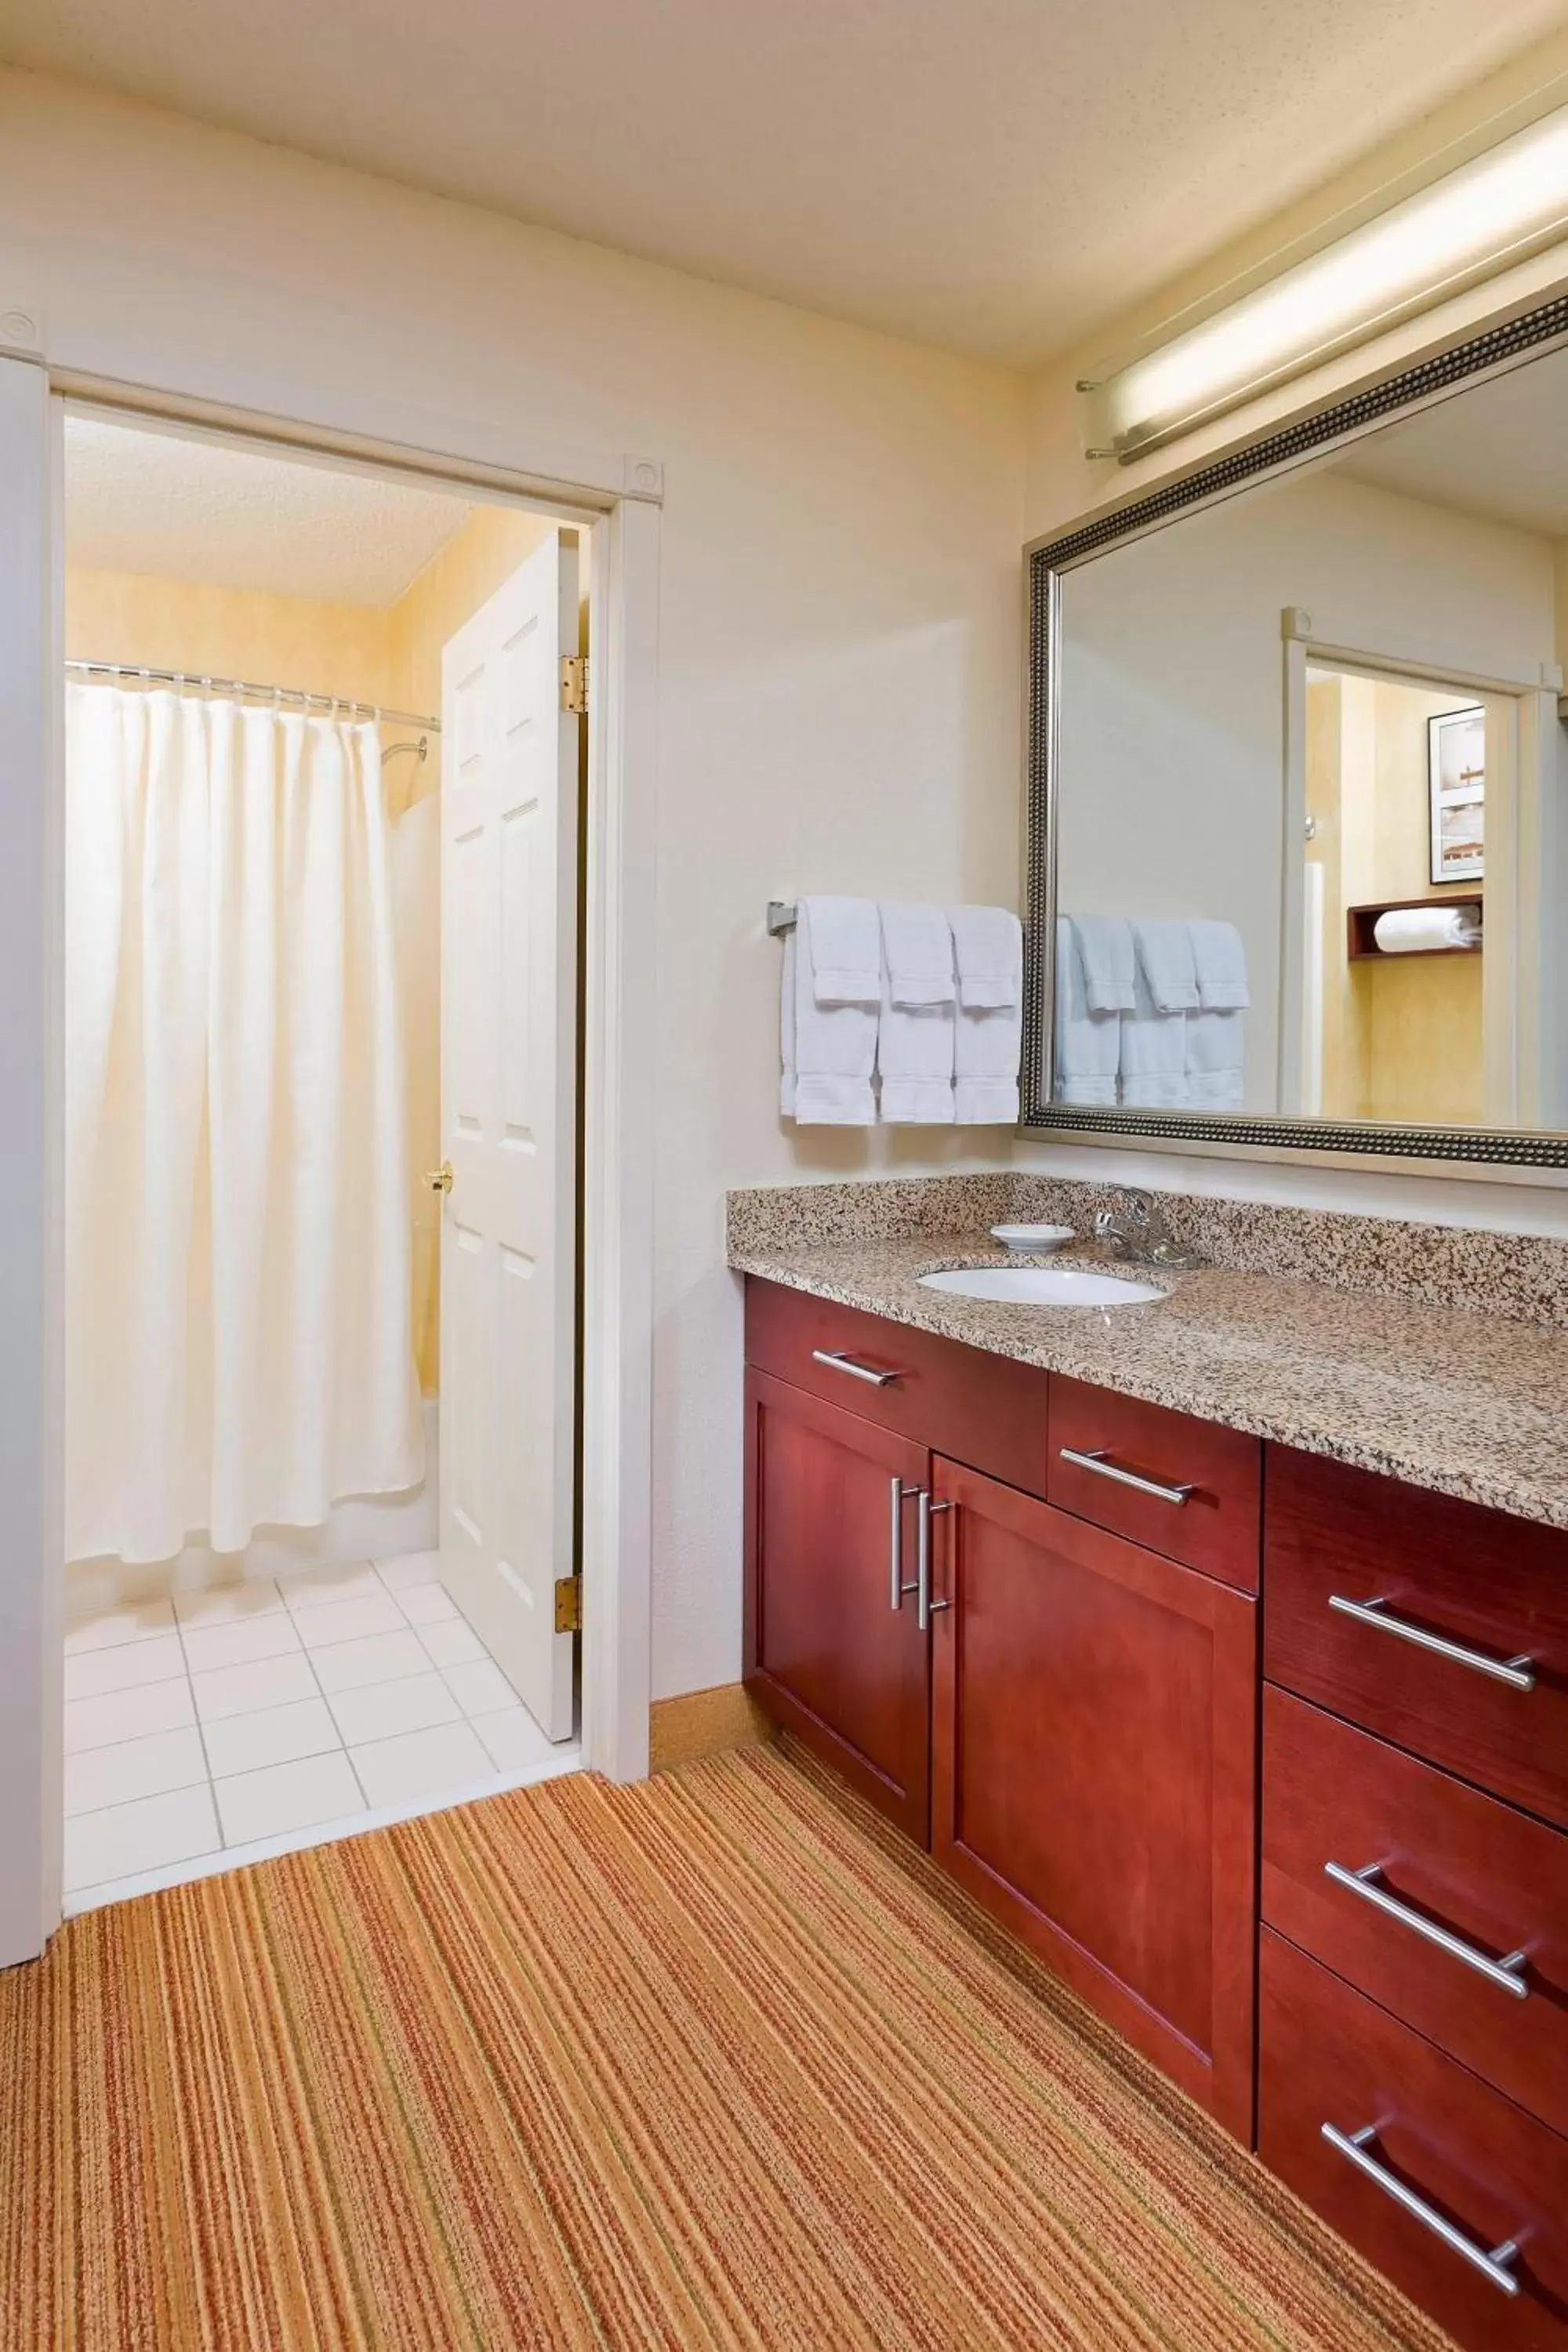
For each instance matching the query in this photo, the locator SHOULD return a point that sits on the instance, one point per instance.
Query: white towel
(1089, 1045)
(1163, 950)
(988, 951)
(986, 1047)
(1153, 1051)
(1220, 962)
(914, 1059)
(917, 954)
(828, 1051)
(1418, 930)
(1105, 951)
(846, 950)
(1216, 1060)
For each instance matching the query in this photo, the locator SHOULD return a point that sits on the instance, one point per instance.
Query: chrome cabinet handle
(925, 1607)
(1099, 1461)
(1492, 2265)
(837, 1362)
(898, 1496)
(1518, 1673)
(1507, 1973)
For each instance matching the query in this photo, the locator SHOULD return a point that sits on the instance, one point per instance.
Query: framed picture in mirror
(1456, 793)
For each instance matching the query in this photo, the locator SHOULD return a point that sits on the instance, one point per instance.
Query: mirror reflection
(1311, 793)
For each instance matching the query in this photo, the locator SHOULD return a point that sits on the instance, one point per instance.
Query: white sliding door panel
(508, 1121)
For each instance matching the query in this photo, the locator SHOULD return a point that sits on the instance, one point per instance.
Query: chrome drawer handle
(925, 1607)
(1493, 2265)
(1507, 1973)
(837, 1362)
(898, 1496)
(1518, 1673)
(1099, 1461)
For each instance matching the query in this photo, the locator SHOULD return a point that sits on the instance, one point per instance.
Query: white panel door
(509, 997)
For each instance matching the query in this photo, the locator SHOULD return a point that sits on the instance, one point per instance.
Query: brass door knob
(440, 1178)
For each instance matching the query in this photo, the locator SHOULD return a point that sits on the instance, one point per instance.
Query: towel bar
(781, 917)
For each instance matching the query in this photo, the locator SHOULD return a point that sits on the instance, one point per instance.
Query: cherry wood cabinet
(827, 1651)
(1186, 1488)
(1344, 1550)
(1459, 1883)
(1075, 1733)
(1093, 1770)
(1474, 2163)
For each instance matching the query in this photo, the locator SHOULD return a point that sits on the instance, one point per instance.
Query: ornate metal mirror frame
(1276, 452)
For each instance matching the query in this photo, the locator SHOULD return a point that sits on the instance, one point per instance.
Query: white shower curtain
(237, 1240)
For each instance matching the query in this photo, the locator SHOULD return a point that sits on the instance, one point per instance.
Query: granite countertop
(1468, 1403)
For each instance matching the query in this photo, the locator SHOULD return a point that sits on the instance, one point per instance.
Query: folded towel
(1216, 1060)
(1105, 949)
(828, 1050)
(1419, 930)
(846, 950)
(1088, 1044)
(1220, 962)
(917, 954)
(914, 1060)
(986, 1046)
(1162, 951)
(988, 951)
(1153, 1051)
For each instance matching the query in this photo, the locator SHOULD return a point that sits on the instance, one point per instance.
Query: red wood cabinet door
(825, 1651)
(1093, 1771)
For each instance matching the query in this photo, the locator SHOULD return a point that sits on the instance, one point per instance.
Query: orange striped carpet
(705, 2062)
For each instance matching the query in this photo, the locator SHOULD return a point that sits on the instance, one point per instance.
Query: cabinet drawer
(1364, 1575)
(978, 1407)
(1452, 1860)
(1207, 1515)
(1473, 2160)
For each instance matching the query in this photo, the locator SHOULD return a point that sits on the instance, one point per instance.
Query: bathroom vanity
(1264, 1752)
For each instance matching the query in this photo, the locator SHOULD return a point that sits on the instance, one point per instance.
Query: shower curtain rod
(185, 678)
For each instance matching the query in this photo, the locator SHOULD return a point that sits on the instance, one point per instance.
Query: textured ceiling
(193, 510)
(1500, 451)
(998, 176)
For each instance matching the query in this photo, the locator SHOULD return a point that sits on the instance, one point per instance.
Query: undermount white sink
(1042, 1286)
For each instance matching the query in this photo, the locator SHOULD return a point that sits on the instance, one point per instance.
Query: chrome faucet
(1136, 1228)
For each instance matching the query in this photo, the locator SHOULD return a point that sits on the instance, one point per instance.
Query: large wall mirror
(1298, 856)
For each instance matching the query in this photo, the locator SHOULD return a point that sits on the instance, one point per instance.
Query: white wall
(840, 639)
(1172, 739)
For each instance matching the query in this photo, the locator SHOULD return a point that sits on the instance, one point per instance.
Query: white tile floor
(226, 1725)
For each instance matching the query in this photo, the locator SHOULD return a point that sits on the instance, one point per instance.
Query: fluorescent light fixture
(1474, 221)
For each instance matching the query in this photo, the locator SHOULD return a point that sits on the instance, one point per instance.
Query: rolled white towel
(1419, 930)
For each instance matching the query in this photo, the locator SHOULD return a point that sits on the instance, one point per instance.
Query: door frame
(615, 499)
(1512, 1011)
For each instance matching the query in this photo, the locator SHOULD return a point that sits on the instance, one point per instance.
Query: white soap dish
(1036, 1240)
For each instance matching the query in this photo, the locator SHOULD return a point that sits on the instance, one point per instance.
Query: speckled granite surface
(1468, 1404)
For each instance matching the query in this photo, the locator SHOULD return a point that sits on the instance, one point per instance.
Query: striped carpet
(705, 2062)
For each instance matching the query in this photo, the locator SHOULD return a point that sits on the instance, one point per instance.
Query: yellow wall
(301, 641)
(1403, 1036)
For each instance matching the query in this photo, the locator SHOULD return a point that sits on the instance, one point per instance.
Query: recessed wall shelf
(1361, 943)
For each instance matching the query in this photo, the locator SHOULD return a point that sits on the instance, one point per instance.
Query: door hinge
(574, 682)
(569, 1604)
